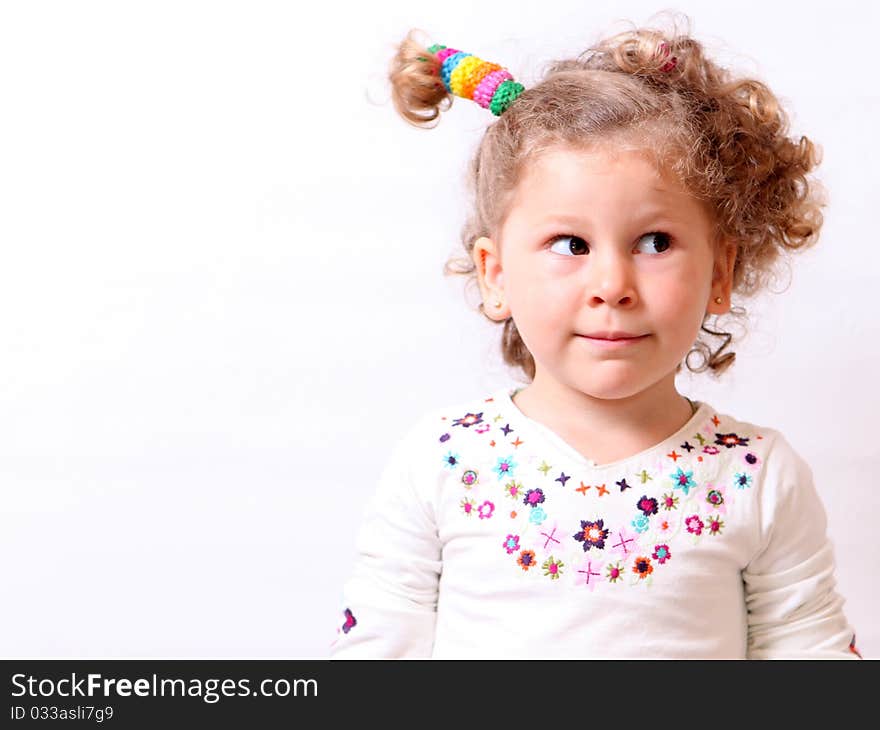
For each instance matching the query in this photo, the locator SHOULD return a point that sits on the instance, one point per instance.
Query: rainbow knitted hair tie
(465, 75)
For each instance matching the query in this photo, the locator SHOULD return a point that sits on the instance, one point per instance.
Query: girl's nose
(611, 280)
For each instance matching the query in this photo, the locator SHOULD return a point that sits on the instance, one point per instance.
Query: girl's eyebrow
(654, 211)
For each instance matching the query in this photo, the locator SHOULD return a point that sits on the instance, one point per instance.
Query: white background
(221, 300)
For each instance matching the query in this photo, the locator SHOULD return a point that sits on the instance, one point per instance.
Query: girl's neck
(606, 430)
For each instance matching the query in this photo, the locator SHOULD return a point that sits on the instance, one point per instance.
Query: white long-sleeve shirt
(489, 536)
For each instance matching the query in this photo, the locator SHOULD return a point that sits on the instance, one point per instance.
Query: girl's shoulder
(768, 440)
(780, 467)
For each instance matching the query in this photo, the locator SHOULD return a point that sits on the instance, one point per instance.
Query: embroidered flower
(715, 498)
(642, 567)
(534, 497)
(467, 505)
(592, 534)
(486, 509)
(589, 574)
(711, 450)
(683, 480)
(742, 480)
(469, 478)
(694, 525)
(468, 420)
(537, 516)
(505, 466)
(350, 621)
(513, 489)
(482, 428)
(511, 544)
(661, 553)
(752, 460)
(615, 572)
(444, 438)
(552, 538)
(670, 501)
(715, 525)
(648, 505)
(730, 440)
(664, 526)
(450, 461)
(526, 559)
(640, 524)
(553, 567)
(623, 542)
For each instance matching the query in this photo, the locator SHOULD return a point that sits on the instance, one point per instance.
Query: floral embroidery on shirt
(730, 440)
(553, 567)
(513, 489)
(648, 505)
(683, 480)
(552, 538)
(469, 478)
(526, 559)
(715, 498)
(742, 480)
(623, 542)
(350, 621)
(752, 460)
(511, 544)
(640, 523)
(661, 553)
(699, 500)
(468, 420)
(589, 574)
(694, 524)
(642, 567)
(715, 525)
(537, 516)
(615, 572)
(670, 501)
(592, 534)
(505, 466)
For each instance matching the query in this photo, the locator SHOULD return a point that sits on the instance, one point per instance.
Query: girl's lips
(614, 344)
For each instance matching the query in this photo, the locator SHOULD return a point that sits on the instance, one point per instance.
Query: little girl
(596, 512)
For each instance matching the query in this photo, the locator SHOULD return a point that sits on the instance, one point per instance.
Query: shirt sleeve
(794, 610)
(390, 599)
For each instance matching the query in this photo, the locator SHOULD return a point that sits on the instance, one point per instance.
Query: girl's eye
(576, 246)
(657, 242)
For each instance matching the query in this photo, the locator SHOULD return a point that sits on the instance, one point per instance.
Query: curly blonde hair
(725, 138)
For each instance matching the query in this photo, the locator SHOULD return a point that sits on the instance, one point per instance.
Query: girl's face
(598, 242)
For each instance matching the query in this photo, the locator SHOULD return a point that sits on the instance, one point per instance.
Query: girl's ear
(722, 278)
(490, 277)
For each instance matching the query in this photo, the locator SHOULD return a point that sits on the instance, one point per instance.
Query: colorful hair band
(469, 77)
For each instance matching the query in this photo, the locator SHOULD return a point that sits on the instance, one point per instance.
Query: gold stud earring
(497, 304)
(718, 300)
